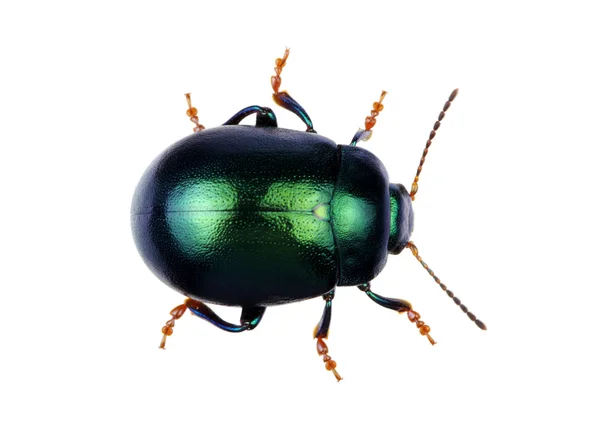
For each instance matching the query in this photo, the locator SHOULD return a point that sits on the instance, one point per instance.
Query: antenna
(415, 251)
(436, 125)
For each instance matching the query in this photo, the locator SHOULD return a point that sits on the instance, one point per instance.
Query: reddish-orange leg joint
(192, 113)
(370, 121)
(415, 251)
(167, 330)
(279, 65)
(414, 317)
(415, 186)
(322, 350)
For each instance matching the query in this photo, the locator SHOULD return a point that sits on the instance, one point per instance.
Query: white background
(506, 216)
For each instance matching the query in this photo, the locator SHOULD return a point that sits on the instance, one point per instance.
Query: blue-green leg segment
(395, 304)
(283, 99)
(264, 116)
(250, 318)
(320, 333)
(361, 136)
(322, 329)
(400, 306)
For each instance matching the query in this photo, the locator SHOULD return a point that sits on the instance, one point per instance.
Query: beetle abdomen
(241, 215)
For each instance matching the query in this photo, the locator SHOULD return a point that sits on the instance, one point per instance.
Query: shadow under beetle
(259, 216)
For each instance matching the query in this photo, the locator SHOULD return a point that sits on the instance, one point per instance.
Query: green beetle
(254, 216)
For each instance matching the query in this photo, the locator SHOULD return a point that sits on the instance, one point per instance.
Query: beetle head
(401, 218)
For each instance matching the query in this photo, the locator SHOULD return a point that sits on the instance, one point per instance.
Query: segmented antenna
(415, 186)
(415, 251)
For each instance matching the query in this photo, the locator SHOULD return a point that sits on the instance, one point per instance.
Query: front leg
(321, 331)
(400, 306)
(370, 121)
(249, 319)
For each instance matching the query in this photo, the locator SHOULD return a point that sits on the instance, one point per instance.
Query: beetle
(255, 216)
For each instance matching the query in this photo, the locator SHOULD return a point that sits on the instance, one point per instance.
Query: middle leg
(283, 99)
(320, 333)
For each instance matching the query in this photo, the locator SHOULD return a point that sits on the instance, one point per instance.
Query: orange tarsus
(330, 364)
(167, 330)
(371, 120)
(414, 317)
(192, 113)
(279, 65)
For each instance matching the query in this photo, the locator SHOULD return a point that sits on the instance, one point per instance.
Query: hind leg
(249, 319)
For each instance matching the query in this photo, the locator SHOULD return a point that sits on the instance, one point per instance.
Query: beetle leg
(370, 121)
(167, 330)
(321, 331)
(192, 113)
(283, 99)
(250, 318)
(400, 306)
(264, 116)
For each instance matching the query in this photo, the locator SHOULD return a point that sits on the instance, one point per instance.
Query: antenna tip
(480, 325)
(453, 95)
